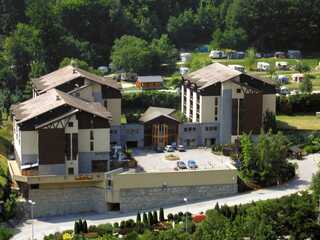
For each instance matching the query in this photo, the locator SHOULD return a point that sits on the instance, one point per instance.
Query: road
(44, 226)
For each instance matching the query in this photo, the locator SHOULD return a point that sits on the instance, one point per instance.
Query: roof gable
(52, 100)
(155, 112)
(67, 74)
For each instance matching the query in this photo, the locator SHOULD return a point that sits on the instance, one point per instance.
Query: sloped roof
(54, 99)
(69, 73)
(217, 72)
(150, 79)
(155, 112)
(212, 74)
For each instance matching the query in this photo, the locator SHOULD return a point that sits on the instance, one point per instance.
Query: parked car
(169, 148)
(181, 165)
(181, 148)
(174, 145)
(159, 149)
(192, 164)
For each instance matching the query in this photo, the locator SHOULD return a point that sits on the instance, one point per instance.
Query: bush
(6, 233)
(104, 229)
(301, 103)
(170, 217)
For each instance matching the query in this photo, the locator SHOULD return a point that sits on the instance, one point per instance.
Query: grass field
(298, 122)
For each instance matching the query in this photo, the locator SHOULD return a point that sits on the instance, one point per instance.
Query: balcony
(41, 179)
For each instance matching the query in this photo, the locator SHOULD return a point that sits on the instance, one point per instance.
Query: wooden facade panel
(250, 114)
(51, 146)
(88, 121)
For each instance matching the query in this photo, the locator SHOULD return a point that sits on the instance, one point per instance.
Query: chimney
(57, 98)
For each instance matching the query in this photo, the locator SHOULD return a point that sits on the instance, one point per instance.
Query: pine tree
(217, 207)
(80, 226)
(84, 227)
(138, 220)
(155, 217)
(145, 219)
(150, 218)
(161, 215)
(76, 228)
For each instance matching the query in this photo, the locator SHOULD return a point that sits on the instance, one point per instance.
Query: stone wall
(68, 200)
(146, 198)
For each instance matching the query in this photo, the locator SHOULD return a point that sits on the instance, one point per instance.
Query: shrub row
(301, 103)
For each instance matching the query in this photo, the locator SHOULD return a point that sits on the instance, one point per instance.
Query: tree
(163, 52)
(138, 220)
(145, 219)
(182, 29)
(302, 67)
(315, 186)
(270, 122)
(22, 48)
(131, 54)
(150, 219)
(161, 215)
(305, 85)
(85, 226)
(155, 217)
(250, 58)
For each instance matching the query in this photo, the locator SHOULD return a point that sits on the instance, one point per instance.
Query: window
(91, 146)
(91, 135)
(215, 128)
(186, 129)
(70, 124)
(34, 186)
(194, 128)
(238, 90)
(70, 171)
(207, 129)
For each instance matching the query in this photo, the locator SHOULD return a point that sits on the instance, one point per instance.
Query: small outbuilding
(297, 77)
(149, 82)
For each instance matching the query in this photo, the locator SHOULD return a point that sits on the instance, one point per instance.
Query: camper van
(263, 66)
(217, 54)
(239, 68)
(282, 65)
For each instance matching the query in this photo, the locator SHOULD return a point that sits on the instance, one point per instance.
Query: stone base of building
(67, 200)
(148, 198)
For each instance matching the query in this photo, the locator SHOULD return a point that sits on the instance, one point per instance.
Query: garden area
(291, 217)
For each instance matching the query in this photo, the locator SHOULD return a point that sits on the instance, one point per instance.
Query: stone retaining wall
(68, 200)
(146, 198)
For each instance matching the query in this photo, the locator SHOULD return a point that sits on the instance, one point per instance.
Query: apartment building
(235, 102)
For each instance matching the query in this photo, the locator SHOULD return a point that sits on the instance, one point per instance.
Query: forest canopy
(37, 35)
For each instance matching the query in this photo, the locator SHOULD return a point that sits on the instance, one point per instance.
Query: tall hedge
(301, 103)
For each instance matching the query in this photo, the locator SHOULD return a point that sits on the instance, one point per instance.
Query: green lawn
(299, 122)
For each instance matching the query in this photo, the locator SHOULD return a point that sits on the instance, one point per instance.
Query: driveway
(306, 169)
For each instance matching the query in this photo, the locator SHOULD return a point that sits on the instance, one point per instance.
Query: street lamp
(32, 204)
(186, 202)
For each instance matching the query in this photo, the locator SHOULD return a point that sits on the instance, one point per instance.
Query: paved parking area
(151, 161)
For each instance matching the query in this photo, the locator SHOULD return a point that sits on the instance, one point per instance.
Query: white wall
(207, 108)
(114, 106)
(194, 114)
(101, 140)
(29, 142)
(182, 98)
(188, 103)
(269, 103)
